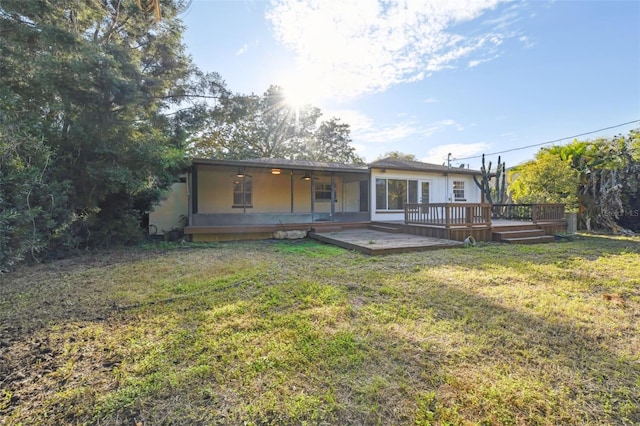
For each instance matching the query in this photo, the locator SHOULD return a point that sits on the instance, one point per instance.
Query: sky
(430, 78)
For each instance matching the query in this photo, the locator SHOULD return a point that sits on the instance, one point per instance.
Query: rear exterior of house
(263, 198)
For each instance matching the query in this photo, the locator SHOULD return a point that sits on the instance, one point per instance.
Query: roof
(286, 164)
(387, 163)
(401, 164)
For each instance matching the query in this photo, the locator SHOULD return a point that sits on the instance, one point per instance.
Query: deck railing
(448, 214)
(529, 212)
(471, 214)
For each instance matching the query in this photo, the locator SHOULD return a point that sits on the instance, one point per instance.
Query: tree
(546, 179)
(88, 84)
(33, 207)
(397, 155)
(330, 142)
(251, 126)
(599, 179)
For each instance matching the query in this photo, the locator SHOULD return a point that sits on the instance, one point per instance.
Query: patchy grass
(299, 332)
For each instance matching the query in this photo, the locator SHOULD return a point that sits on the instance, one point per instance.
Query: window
(393, 194)
(323, 191)
(458, 190)
(381, 194)
(242, 193)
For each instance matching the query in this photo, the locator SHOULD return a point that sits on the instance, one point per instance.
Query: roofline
(426, 169)
(326, 166)
(318, 166)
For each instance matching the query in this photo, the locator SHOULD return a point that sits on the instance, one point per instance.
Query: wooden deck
(372, 242)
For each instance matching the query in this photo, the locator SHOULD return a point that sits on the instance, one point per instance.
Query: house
(396, 182)
(260, 198)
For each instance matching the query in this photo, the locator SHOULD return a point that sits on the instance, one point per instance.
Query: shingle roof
(286, 164)
(308, 163)
(386, 163)
(401, 164)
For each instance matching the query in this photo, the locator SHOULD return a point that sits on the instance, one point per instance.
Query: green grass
(305, 333)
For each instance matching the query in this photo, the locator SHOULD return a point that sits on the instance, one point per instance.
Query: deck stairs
(386, 227)
(521, 234)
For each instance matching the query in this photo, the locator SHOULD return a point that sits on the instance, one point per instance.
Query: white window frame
(406, 197)
(458, 190)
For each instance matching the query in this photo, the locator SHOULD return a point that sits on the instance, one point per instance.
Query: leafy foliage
(84, 87)
(600, 179)
(251, 126)
(33, 209)
(398, 156)
(547, 179)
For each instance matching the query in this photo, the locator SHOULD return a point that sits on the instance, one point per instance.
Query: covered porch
(248, 199)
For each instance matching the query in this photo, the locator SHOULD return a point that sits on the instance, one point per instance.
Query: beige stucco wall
(272, 193)
(168, 214)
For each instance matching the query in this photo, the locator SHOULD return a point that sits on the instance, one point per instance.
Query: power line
(548, 142)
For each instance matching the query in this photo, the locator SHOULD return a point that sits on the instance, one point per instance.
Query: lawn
(305, 333)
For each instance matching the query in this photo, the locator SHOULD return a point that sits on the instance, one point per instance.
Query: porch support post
(194, 189)
(447, 208)
(313, 186)
(244, 193)
(333, 197)
(291, 174)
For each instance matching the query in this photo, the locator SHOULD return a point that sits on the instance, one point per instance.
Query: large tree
(546, 179)
(600, 179)
(268, 126)
(87, 85)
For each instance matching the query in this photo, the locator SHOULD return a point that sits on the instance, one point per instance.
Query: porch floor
(369, 241)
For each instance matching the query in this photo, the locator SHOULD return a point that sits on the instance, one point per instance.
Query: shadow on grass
(338, 338)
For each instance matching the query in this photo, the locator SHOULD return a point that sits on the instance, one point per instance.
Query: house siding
(169, 213)
(440, 189)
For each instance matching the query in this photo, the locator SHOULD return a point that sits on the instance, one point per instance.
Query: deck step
(529, 240)
(517, 233)
(385, 228)
(326, 228)
(508, 228)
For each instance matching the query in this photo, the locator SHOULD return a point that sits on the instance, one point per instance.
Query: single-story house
(252, 199)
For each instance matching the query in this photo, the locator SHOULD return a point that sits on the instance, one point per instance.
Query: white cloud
(242, 50)
(353, 47)
(358, 121)
(392, 133)
(431, 101)
(364, 130)
(438, 155)
(474, 63)
(526, 41)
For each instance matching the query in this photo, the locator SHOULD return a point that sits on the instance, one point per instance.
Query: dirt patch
(34, 298)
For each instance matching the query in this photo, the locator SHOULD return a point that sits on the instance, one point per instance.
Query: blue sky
(432, 78)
